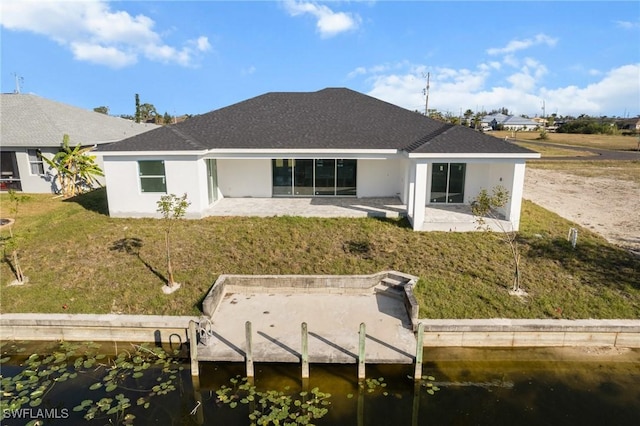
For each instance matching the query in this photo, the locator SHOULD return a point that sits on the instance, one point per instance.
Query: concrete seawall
(97, 328)
(531, 333)
(438, 333)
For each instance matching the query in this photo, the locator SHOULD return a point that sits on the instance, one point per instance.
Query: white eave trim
(148, 153)
(475, 156)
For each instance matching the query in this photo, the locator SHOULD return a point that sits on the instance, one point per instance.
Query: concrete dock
(333, 322)
(332, 306)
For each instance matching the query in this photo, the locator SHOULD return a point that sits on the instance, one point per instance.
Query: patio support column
(517, 189)
(419, 196)
(411, 198)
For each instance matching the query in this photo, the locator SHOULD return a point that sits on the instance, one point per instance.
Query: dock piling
(193, 349)
(249, 350)
(417, 375)
(305, 351)
(361, 356)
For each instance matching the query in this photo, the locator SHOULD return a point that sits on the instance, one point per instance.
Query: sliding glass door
(282, 170)
(303, 178)
(319, 177)
(325, 177)
(447, 183)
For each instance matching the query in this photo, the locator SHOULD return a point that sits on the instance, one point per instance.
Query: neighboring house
(330, 143)
(510, 122)
(32, 127)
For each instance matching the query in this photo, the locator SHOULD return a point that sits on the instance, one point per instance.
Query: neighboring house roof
(333, 118)
(518, 121)
(499, 118)
(31, 121)
(508, 120)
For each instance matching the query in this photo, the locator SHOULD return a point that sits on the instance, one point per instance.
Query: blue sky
(576, 57)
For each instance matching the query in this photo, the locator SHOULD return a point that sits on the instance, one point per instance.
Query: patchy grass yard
(81, 261)
(620, 170)
(615, 142)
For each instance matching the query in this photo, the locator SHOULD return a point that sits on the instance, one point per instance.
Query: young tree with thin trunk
(485, 206)
(11, 243)
(172, 208)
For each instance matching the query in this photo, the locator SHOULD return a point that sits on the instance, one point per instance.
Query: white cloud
(628, 25)
(617, 91)
(95, 33)
(203, 44)
(487, 88)
(516, 45)
(101, 55)
(329, 23)
(248, 71)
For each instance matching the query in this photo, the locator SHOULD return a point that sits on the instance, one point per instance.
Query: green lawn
(81, 261)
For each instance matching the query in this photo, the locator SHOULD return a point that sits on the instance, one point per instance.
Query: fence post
(249, 350)
(305, 351)
(417, 375)
(361, 357)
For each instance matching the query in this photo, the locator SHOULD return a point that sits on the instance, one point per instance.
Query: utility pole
(426, 92)
(544, 121)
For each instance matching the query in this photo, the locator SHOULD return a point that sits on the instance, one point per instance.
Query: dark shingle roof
(334, 118)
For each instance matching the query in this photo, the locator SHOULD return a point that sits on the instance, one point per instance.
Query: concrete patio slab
(309, 207)
(447, 218)
(333, 322)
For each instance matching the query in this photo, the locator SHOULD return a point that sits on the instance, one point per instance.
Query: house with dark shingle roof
(331, 143)
(32, 127)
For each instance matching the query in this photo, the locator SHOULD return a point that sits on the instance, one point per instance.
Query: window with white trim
(36, 165)
(152, 176)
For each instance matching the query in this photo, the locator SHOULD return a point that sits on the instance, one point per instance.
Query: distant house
(32, 127)
(510, 122)
(331, 143)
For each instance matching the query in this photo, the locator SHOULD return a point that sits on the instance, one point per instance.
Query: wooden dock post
(305, 351)
(249, 350)
(417, 375)
(361, 357)
(193, 349)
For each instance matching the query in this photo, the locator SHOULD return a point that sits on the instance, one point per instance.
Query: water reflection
(477, 387)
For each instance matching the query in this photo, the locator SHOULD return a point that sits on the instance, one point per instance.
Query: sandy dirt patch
(608, 207)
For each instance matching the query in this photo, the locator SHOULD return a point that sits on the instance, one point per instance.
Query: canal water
(460, 387)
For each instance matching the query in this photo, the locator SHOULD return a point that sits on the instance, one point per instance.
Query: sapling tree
(11, 243)
(172, 208)
(485, 206)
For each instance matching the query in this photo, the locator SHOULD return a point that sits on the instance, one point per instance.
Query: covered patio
(448, 218)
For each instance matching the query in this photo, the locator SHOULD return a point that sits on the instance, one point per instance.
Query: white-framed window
(152, 176)
(36, 165)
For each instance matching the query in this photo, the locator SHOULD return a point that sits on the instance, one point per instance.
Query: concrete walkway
(333, 322)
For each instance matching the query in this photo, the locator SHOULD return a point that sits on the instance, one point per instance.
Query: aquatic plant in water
(124, 372)
(272, 406)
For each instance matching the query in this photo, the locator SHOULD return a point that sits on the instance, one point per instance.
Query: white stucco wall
(380, 178)
(184, 174)
(245, 177)
(488, 176)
